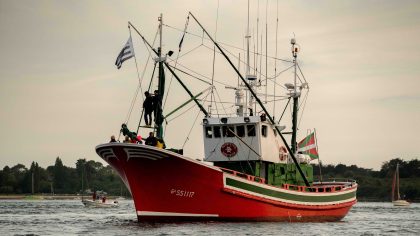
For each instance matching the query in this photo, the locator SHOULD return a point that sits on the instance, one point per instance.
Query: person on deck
(151, 140)
(148, 108)
(113, 139)
(126, 139)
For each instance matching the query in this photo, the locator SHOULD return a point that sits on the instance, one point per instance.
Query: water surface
(70, 217)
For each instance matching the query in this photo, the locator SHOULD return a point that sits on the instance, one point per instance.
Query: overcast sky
(61, 95)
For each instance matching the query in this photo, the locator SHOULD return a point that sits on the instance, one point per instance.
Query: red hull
(169, 187)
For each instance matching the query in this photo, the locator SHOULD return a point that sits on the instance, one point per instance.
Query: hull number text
(182, 193)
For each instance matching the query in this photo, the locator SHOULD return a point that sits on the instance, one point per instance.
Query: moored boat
(255, 174)
(396, 199)
(99, 203)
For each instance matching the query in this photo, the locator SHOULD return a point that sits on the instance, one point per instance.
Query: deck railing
(326, 186)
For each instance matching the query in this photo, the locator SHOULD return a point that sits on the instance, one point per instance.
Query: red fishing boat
(249, 171)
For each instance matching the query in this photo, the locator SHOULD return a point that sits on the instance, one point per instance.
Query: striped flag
(307, 146)
(126, 53)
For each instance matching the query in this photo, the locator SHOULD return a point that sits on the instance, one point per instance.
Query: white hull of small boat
(401, 203)
(91, 203)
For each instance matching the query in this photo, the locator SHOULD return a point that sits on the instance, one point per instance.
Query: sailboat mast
(295, 95)
(393, 186)
(398, 182)
(161, 85)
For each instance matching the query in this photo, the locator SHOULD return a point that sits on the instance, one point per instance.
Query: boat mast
(161, 84)
(295, 94)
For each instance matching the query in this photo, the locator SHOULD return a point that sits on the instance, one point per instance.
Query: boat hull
(400, 203)
(99, 204)
(166, 186)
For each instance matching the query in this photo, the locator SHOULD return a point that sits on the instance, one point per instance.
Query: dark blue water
(70, 217)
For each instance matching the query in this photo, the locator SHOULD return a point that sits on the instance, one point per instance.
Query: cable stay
(225, 44)
(187, 102)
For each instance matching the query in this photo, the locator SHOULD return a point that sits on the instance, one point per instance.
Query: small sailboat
(396, 187)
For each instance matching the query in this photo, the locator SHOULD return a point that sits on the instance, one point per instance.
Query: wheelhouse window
(264, 131)
(209, 132)
(228, 131)
(240, 131)
(250, 130)
(216, 131)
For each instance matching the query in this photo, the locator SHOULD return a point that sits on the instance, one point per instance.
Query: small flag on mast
(126, 53)
(307, 146)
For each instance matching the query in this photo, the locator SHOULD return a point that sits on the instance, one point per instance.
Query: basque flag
(126, 53)
(308, 146)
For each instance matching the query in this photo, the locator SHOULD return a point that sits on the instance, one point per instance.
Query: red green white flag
(307, 146)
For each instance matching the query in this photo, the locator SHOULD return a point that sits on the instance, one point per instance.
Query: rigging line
(258, 23)
(139, 80)
(214, 57)
(266, 50)
(277, 75)
(133, 100)
(179, 64)
(300, 80)
(218, 102)
(303, 108)
(142, 76)
(270, 95)
(224, 110)
(190, 51)
(226, 44)
(176, 61)
(284, 110)
(199, 111)
(193, 105)
(148, 89)
(195, 77)
(274, 100)
(275, 62)
(271, 78)
(232, 56)
(301, 73)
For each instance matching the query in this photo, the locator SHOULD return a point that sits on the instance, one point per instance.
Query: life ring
(229, 149)
(283, 149)
(282, 153)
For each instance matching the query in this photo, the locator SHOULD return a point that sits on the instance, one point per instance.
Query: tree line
(60, 179)
(377, 185)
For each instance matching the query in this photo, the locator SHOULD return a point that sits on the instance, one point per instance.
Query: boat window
(250, 130)
(240, 130)
(209, 132)
(216, 130)
(264, 130)
(228, 131)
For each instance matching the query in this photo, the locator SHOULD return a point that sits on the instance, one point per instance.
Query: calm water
(70, 217)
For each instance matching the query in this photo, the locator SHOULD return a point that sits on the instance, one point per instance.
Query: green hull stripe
(287, 196)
